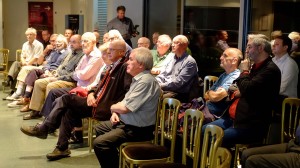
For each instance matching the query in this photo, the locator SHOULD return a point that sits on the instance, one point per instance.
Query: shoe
(76, 137)
(25, 108)
(24, 101)
(34, 131)
(58, 154)
(33, 115)
(13, 97)
(13, 104)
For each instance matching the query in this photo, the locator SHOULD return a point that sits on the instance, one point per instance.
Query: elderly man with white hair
(31, 50)
(161, 56)
(180, 73)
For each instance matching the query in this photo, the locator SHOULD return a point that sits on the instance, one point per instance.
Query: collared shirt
(141, 100)
(160, 62)
(224, 81)
(88, 67)
(179, 74)
(289, 75)
(31, 51)
(124, 26)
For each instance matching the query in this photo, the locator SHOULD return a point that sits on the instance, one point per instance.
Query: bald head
(143, 42)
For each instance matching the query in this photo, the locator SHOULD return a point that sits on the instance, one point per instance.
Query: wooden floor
(18, 150)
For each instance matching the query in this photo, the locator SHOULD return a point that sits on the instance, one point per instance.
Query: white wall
(134, 10)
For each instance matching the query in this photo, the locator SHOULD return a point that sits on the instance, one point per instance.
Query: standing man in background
(123, 24)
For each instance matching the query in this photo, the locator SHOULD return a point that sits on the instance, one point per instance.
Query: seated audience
(84, 74)
(48, 70)
(105, 38)
(161, 55)
(248, 122)
(68, 110)
(181, 72)
(68, 34)
(31, 50)
(133, 118)
(62, 78)
(216, 102)
(143, 42)
(284, 155)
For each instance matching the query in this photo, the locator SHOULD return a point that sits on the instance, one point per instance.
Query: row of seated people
(66, 110)
(175, 79)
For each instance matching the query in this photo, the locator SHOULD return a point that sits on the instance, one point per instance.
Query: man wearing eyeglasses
(180, 74)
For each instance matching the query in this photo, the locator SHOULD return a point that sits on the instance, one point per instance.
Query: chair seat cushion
(146, 151)
(164, 165)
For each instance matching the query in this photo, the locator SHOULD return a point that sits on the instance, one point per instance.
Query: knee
(252, 161)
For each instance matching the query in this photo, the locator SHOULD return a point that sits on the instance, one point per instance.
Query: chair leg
(90, 134)
(236, 153)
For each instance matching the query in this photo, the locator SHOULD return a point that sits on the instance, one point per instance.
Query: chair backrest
(223, 158)
(169, 118)
(212, 140)
(290, 114)
(192, 126)
(18, 55)
(208, 82)
(4, 55)
(158, 121)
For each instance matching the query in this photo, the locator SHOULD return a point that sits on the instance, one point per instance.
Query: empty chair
(289, 119)
(212, 141)
(4, 54)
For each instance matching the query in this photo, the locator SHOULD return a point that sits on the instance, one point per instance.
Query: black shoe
(58, 154)
(76, 137)
(34, 131)
(32, 115)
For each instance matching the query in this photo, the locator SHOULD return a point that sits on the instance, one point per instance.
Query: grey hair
(165, 40)
(30, 30)
(143, 56)
(89, 35)
(182, 39)
(63, 39)
(115, 33)
(252, 36)
(263, 42)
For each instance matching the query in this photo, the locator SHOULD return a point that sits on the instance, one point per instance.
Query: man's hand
(245, 65)
(91, 101)
(114, 119)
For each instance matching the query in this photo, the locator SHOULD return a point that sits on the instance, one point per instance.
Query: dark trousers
(67, 111)
(52, 95)
(234, 135)
(32, 76)
(270, 156)
(110, 137)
